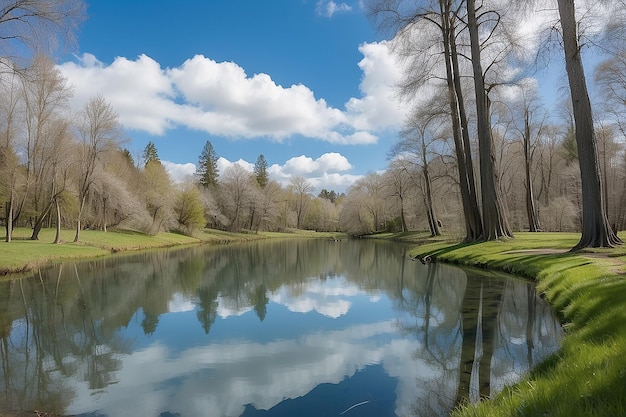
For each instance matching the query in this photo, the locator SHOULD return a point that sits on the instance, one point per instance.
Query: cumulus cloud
(218, 98)
(378, 108)
(179, 172)
(329, 171)
(329, 8)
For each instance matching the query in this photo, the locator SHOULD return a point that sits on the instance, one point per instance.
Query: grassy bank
(23, 255)
(587, 376)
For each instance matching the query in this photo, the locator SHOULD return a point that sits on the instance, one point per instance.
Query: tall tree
(46, 98)
(235, 194)
(207, 171)
(99, 132)
(260, 171)
(406, 18)
(150, 154)
(596, 231)
(495, 223)
(11, 172)
(301, 189)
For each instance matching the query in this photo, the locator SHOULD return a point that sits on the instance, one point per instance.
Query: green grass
(23, 255)
(587, 376)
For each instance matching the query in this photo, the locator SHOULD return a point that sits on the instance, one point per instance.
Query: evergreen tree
(260, 171)
(150, 154)
(207, 171)
(126, 153)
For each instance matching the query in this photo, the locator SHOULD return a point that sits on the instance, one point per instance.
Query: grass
(23, 255)
(587, 376)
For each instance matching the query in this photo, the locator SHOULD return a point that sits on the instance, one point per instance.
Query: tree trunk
(80, 212)
(596, 231)
(39, 221)
(57, 237)
(402, 216)
(432, 218)
(104, 215)
(9, 221)
(495, 224)
(531, 207)
(471, 214)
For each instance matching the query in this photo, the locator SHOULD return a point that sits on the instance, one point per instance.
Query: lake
(270, 328)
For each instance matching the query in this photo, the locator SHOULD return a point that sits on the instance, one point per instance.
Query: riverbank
(23, 255)
(587, 289)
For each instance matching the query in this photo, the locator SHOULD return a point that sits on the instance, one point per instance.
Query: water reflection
(270, 328)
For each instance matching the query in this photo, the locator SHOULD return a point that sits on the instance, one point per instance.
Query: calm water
(289, 328)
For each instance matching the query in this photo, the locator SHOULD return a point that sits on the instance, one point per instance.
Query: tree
(596, 231)
(188, 208)
(11, 172)
(150, 154)
(235, 194)
(328, 195)
(45, 100)
(529, 118)
(422, 132)
(158, 195)
(407, 18)
(301, 188)
(260, 171)
(38, 25)
(495, 223)
(610, 76)
(207, 171)
(99, 132)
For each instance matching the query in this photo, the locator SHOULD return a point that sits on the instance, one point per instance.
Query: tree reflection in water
(295, 319)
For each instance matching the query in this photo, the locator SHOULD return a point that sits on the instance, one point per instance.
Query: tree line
(461, 55)
(472, 158)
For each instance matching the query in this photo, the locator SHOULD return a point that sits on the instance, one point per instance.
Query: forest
(480, 157)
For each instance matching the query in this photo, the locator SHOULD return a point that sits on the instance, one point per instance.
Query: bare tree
(99, 132)
(596, 231)
(45, 102)
(610, 76)
(301, 189)
(37, 25)
(439, 60)
(495, 223)
(423, 140)
(11, 172)
(234, 192)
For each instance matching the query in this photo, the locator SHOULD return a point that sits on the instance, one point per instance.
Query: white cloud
(224, 164)
(179, 172)
(214, 97)
(329, 8)
(139, 90)
(221, 99)
(328, 171)
(378, 108)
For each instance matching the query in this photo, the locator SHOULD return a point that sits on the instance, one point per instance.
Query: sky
(306, 83)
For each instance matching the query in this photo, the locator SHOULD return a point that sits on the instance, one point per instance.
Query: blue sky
(306, 83)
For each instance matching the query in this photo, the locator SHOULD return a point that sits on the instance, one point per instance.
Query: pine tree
(150, 154)
(207, 171)
(260, 171)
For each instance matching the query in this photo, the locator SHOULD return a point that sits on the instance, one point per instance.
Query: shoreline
(587, 290)
(22, 256)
